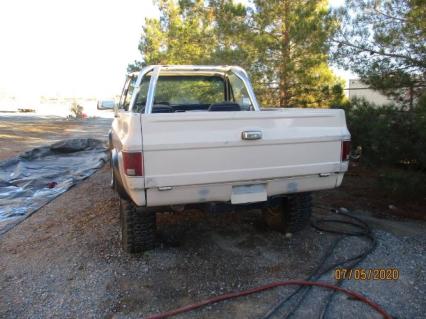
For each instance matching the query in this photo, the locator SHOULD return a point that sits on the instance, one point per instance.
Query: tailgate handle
(251, 135)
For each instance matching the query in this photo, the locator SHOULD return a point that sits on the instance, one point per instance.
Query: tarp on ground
(34, 178)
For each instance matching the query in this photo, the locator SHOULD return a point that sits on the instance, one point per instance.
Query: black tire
(289, 214)
(138, 227)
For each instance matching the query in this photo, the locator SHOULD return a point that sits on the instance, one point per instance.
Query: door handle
(251, 135)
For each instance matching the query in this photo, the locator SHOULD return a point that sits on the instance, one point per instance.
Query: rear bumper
(222, 192)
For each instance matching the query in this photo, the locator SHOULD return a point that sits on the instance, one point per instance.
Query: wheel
(138, 227)
(289, 214)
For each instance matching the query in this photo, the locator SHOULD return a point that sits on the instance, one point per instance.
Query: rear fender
(118, 183)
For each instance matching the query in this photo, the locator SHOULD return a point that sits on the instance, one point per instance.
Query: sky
(70, 47)
(75, 47)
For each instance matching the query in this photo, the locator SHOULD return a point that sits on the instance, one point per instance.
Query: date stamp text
(366, 274)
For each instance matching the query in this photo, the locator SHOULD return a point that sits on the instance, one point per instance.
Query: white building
(358, 89)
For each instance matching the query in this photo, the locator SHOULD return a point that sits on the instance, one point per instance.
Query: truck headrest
(224, 107)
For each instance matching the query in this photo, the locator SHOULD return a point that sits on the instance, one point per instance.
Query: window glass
(239, 93)
(139, 106)
(178, 90)
(127, 93)
(175, 90)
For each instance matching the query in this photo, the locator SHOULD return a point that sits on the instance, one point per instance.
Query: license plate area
(249, 194)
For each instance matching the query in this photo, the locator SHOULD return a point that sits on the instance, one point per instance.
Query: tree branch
(389, 16)
(391, 55)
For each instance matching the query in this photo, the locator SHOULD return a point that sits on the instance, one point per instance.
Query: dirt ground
(19, 133)
(65, 260)
(361, 190)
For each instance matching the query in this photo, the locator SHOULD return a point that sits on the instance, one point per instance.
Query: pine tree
(281, 43)
(384, 42)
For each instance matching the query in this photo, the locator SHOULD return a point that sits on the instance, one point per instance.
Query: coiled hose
(359, 229)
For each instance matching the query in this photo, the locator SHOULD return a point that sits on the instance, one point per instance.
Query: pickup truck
(186, 134)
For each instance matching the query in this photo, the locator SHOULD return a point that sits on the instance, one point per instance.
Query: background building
(358, 89)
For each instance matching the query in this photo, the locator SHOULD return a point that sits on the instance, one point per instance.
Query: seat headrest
(162, 109)
(224, 106)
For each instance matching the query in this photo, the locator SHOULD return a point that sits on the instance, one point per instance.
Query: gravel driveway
(65, 261)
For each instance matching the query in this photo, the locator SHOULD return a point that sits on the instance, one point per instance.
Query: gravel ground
(65, 261)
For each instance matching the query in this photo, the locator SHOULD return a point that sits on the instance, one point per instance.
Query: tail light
(133, 163)
(346, 150)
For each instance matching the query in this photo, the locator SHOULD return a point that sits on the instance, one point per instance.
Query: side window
(239, 93)
(126, 96)
(139, 106)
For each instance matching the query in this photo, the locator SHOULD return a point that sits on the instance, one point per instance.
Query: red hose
(237, 294)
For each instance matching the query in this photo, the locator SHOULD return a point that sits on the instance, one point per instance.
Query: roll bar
(155, 69)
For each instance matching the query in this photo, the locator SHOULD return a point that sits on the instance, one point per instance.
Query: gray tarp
(34, 178)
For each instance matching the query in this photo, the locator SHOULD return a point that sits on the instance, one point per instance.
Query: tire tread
(138, 227)
(289, 214)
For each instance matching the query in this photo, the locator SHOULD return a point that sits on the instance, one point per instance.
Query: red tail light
(133, 163)
(346, 150)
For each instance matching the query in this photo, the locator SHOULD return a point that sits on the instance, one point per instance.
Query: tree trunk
(284, 80)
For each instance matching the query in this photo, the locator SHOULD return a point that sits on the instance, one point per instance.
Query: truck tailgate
(195, 148)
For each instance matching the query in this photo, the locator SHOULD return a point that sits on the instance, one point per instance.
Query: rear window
(189, 90)
(200, 91)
